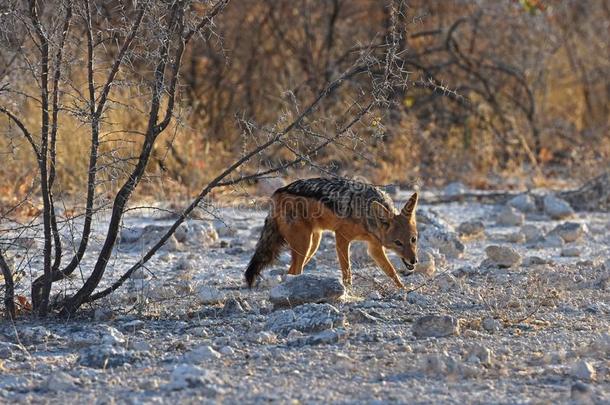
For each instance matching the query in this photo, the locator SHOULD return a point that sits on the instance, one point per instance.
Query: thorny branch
(363, 65)
(174, 28)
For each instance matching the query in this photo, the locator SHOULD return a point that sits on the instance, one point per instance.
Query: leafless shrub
(73, 90)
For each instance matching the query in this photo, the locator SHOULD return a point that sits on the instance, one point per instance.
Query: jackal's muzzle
(410, 268)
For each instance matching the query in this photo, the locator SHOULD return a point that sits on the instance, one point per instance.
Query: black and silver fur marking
(346, 198)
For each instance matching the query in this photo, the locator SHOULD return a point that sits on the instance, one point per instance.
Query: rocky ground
(511, 305)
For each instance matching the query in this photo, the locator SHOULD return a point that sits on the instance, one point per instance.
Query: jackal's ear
(381, 214)
(409, 207)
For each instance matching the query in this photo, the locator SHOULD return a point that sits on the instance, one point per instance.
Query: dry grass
(403, 146)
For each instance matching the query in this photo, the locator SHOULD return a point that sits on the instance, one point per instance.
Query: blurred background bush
(501, 94)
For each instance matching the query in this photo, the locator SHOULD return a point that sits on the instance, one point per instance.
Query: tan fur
(302, 223)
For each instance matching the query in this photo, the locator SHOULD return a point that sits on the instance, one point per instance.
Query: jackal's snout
(399, 232)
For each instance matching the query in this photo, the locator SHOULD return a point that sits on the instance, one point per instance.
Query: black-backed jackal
(353, 210)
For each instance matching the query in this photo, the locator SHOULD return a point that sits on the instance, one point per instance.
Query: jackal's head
(398, 232)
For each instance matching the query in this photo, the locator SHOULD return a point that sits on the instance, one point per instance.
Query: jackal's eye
(413, 239)
(398, 243)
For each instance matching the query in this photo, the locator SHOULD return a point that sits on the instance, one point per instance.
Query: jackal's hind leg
(377, 253)
(299, 240)
(342, 245)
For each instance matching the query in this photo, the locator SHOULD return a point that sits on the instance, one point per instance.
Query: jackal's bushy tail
(267, 250)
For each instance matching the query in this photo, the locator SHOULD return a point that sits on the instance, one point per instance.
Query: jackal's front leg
(377, 253)
(342, 246)
(316, 237)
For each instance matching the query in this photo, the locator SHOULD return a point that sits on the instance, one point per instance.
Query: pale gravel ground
(373, 362)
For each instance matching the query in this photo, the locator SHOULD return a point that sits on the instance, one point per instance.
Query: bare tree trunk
(9, 288)
(53, 140)
(41, 284)
(41, 303)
